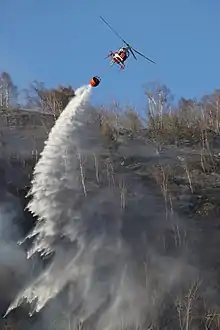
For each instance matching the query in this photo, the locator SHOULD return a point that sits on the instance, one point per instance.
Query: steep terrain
(161, 182)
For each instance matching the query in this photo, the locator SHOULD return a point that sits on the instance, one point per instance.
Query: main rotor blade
(133, 53)
(115, 32)
(147, 58)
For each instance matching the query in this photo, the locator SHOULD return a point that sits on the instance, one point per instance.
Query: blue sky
(66, 42)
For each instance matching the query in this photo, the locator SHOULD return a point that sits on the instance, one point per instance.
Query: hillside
(174, 156)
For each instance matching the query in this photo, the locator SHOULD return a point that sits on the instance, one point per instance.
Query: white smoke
(13, 264)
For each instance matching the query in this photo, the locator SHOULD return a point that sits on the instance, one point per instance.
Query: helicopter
(122, 54)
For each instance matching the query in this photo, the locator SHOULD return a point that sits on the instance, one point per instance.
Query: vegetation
(188, 176)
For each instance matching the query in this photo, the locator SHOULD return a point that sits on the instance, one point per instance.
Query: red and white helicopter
(121, 55)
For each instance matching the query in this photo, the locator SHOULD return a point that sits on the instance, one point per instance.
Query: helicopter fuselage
(119, 57)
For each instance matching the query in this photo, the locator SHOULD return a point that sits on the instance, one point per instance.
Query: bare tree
(160, 100)
(211, 107)
(51, 101)
(132, 120)
(8, 91)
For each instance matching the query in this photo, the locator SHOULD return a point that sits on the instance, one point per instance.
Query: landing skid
(121, 65)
